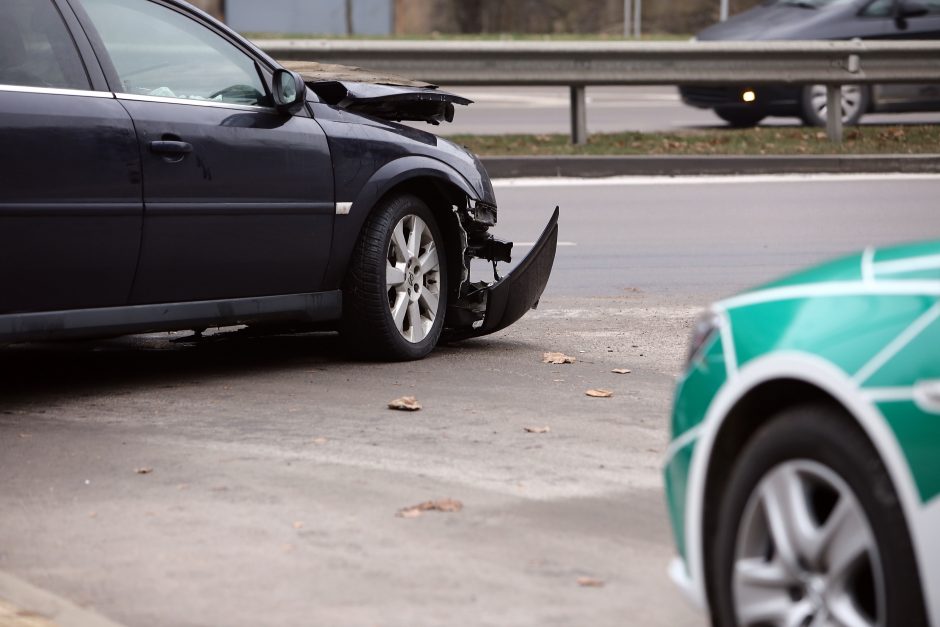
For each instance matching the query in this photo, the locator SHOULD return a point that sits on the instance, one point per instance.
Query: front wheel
(810, 531)
(395, 294)
(814, 104)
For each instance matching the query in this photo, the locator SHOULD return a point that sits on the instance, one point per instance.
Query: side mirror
(910, 8)
(290, 92)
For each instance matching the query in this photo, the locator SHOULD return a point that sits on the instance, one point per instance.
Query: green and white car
(803, 478)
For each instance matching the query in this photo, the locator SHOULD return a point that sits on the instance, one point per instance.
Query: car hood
(910, 262)
(771, 22)
(382, 96)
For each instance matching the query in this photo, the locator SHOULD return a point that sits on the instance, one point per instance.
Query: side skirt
(111, 321)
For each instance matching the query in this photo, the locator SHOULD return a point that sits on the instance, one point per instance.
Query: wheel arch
(434, 182)
(741, 423)
(785, 379)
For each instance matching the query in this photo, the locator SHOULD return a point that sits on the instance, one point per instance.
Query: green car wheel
(811, 532)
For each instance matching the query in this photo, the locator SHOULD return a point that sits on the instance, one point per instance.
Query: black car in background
(746, 105)
(159, 172)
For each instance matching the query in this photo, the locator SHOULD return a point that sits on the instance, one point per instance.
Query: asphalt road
(498, 110)
(274, 469)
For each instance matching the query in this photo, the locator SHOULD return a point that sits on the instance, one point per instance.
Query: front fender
(348, 224)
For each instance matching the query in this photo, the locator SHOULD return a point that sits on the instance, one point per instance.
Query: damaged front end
(482, 307)
(475, 308)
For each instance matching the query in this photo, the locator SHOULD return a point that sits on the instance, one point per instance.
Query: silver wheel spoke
(414, 238)
(417, 324)
(399, 245)
(787, 512)
(429, 300)
(845, 613)
(759, 573)
(399, 309)
(394, 276)
(849, 540)
(798, 614)
(429, 260)
(774, 609)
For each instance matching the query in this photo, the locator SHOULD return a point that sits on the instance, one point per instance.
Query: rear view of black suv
(779, 20)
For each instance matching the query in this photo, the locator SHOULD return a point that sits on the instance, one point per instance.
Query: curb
(666, 165)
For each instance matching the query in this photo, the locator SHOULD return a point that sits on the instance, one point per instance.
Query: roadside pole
(627, 10)
(637, 17)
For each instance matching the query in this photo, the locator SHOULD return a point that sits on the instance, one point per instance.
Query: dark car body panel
(390, 102)
(124, 213)
(248, 213)
(74, 242)
(778, 21)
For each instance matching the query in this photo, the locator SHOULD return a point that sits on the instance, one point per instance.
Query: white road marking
(531, 244)
(628, 181)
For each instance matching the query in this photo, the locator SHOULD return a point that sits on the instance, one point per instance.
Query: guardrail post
(578, 114)
(834, 113)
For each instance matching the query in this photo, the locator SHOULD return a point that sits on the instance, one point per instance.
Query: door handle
(172, 148)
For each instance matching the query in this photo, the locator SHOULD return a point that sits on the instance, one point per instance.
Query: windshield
(811, 4)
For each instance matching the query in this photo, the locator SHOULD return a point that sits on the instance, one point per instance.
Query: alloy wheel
(851, 101)
(805, 553)
(412, 278)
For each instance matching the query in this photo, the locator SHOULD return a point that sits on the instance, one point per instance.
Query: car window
(885, 8)
(879, 8)
(36, 49)
(813, 4)
(933, 6)
(160, 52)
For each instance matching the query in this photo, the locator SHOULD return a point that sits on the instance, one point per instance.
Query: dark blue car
(780, 20)
(159, 172)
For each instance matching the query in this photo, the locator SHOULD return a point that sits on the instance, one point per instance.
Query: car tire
(395, 293)
(855, 101)
(740, 118)
(817, 470)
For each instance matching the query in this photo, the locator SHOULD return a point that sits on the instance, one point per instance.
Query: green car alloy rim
(806, 555)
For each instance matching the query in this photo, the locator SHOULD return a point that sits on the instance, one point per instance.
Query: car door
(238, 198)
(70, 185)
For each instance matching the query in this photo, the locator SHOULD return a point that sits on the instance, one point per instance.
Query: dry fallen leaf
(438, 505)
(557, 358)
(599, 393)
(143, 471)
(544, 429)
(405, 403)
(319, 441)
(621, 371)
(590, 582)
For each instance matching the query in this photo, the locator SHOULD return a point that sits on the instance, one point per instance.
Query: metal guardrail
(579, 64)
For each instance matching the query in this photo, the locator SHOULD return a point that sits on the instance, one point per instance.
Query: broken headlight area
(484, 307)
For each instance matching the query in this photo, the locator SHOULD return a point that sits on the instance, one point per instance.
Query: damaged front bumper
(482, 308)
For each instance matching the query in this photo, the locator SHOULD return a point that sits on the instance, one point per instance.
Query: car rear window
(36, 49)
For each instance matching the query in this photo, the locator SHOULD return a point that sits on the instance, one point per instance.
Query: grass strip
(766, 140)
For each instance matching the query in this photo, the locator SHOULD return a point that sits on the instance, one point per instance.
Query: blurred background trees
(595, 17)
(554, 16)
